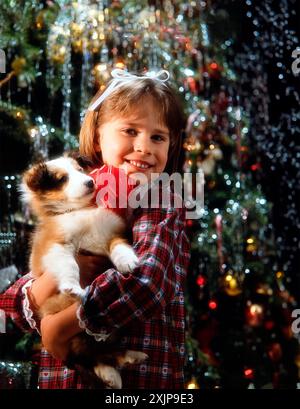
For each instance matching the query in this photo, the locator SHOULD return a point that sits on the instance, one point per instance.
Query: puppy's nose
(89, 183)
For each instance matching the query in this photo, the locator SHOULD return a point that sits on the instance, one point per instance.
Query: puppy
(61, 196)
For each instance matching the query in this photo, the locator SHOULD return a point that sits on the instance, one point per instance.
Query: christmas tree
(239, 287)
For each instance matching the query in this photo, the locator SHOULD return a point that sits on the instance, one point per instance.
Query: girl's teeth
(139, 165)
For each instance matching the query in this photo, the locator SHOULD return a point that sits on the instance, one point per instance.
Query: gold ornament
(77, 46)
(33, 131)
(39, 21)
(58, 53)
(251, 246)
(18, 65)
(209, 157)
(187, 166)
(76, 30)
(254, 314)
(19, 115)
(264, 289)
(120, 63)
(193, 384)
(192, 144)
(232, 285)
(101, 74)
(95, 46)
(279, 275)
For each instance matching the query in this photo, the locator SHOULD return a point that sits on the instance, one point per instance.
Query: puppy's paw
(132, 357)
(109, 375)
(124, 258)
(71, 289)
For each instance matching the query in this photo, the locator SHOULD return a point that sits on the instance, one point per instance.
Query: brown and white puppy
(61, 196)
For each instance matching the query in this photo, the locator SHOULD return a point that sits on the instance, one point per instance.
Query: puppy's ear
(83, 161)
(37, 177)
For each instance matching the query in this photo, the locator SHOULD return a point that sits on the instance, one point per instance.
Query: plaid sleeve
(11, 302)
(114, 300)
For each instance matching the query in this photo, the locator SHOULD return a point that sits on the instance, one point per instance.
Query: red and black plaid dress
(147, 306)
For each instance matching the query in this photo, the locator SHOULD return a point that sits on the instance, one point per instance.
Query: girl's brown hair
(121, 102)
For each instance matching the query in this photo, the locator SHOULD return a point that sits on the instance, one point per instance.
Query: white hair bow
(121, 77)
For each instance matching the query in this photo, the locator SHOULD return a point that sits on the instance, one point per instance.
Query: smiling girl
(135, 125)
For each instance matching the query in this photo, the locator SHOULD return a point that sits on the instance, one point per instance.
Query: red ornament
(275, 352)
(255, 167)
(213, 66)
(212, 304)
(248, 373)
(201, 280)
(192, 84)
(213, 70)
(269, 325)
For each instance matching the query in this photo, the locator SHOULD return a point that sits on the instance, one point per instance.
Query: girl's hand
(91, 266)
(42, 288)
(58, 329)
(45, 286)
(51, 343)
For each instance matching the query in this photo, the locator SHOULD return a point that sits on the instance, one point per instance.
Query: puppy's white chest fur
(91, 229)
(96, 230)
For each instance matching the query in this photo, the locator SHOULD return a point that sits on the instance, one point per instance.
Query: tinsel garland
(16, 375)
(271, 94)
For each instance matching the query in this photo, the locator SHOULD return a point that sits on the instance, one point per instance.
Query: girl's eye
(158, 137)
(131, 131)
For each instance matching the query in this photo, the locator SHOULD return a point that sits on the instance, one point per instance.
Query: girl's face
(137, 143)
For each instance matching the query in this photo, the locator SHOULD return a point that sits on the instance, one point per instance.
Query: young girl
(135, 124)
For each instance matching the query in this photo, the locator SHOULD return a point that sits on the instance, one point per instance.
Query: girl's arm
(12, 300)
(57, 329)
(42, 288)
(28, 293)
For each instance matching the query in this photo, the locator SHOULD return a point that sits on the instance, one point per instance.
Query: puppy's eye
(62, 179)
(80, 169)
